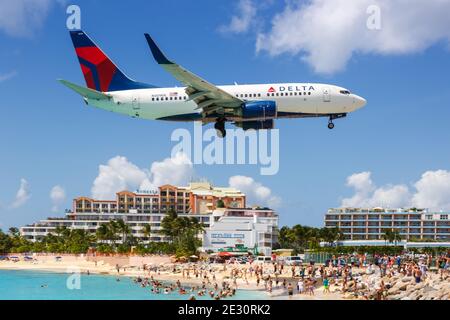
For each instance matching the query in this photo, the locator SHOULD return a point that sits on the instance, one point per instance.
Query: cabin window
(277, 94)
(153, 99)
(309, 93)
(259, 94)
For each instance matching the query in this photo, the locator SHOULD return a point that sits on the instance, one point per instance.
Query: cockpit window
(345, 92)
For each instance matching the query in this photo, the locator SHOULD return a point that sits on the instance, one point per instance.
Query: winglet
(157, 53)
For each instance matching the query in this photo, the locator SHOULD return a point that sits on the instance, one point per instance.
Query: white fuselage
(292, 100)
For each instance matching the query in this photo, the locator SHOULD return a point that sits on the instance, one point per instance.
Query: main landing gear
(220, 128)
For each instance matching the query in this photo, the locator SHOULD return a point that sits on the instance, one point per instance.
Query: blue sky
(49, 137)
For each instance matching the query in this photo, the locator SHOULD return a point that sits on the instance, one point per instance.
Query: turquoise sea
(32, 285)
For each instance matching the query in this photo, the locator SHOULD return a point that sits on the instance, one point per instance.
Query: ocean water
(32, 285)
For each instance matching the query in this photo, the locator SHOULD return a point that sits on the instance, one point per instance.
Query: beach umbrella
(225, 254)
(193, 256)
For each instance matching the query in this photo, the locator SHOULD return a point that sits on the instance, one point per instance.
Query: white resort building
(359, 224)
(255, 229)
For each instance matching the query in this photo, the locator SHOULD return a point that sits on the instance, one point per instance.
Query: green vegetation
(301, 237)
(393, 236)
(112, 237)
(183, 233)
(220, 204)
(182, 240)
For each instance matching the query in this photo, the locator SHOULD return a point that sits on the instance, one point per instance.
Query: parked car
(264, 259)
(293, 261)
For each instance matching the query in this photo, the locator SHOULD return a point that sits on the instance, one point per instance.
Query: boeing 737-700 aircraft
(247, 106)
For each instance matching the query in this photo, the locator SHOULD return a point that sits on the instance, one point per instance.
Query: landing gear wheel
(330, 125)
(220, 129)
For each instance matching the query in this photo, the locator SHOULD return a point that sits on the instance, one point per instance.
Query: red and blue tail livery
(100, 73)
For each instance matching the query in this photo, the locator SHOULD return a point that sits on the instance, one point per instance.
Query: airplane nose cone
(359, 102)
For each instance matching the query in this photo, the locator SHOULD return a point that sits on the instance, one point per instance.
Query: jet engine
(259, 110)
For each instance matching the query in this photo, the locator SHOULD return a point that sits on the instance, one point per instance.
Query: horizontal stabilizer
(85, 92)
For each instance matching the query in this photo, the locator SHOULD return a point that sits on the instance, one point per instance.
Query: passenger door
(135, 103)
(326, 95)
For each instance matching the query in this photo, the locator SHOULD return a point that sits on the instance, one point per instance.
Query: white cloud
(7, 76)
(22, 17)
(363, 185)
(257, 193)
(22, 195)
(327, 33)
(241, 22)
(177, 170)
(57, 196)
(393, 196)
(120, 174)
(432, 191)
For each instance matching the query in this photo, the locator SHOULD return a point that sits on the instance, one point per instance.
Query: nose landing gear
(220, 128)
(333, 117)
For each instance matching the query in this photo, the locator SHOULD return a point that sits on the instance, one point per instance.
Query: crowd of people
(342, 274)
(206, 289)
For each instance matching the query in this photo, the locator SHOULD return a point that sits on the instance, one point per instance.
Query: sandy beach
(166, 272)
(365, 283)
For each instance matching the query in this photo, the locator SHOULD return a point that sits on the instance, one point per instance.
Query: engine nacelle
(259, 110)
(256, 125)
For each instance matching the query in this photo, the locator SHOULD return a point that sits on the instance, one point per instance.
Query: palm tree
(168, 224)
(313, 237)
(124, 230)
(387, 236)
(102, 232)
(146, 231)
(396, 237)
(13, 231)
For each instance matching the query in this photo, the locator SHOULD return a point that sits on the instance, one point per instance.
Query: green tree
(220, 203)
(183, 233)
(146, 231)
(124, 230)
(13, 231)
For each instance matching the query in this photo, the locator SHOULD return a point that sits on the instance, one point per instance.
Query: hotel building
(139, 208)
(372, 223)
(255, 229)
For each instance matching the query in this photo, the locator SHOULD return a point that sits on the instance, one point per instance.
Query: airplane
(248, 107)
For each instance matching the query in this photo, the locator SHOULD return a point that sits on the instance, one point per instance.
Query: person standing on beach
(300, 287)
(290, 290)
(311, 287)
(326, 285)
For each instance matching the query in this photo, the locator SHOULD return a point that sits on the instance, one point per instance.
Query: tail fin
(100, 73)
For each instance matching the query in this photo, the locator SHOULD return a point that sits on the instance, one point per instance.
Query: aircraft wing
(207, 96)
